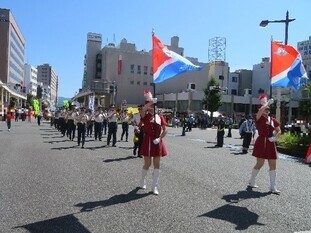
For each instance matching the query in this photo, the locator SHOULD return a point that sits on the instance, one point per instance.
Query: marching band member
(112, 125)
(264, 148)
(82, 119)
(90, 123)
(71, 124)
(98, 118)
(125, 124)
(153, 147)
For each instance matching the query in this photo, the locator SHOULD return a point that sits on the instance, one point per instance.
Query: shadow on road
(120, 159)
(64, 147)
(249, 193)
(240, 216)
(63, 224)
(114, 200)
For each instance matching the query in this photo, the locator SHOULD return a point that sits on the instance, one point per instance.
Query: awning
(12, 92)
(81, 94)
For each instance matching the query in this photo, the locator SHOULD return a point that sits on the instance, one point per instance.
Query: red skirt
(148, 148)
(264, 149)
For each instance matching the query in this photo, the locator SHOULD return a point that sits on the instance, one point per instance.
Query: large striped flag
(286, 66)
(168, 64)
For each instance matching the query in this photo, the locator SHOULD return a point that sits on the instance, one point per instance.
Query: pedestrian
(153, 147)
(185, 123)
(112, 125)
(81, 120)
(264, 148)
(240, 123)
(125, 125)
(248, 129)
(9, 120)
(229, 123)
(39, 116)
(220, 124)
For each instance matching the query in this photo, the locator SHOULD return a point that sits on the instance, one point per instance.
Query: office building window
(132, 68)
(145, 83)
(132, 82)
(233, 92)
(234, 79)
(151, 70)
(145, 69)
(138, 69)
(138, 82)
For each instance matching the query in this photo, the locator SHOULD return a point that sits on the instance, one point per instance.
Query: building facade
(12, 57)
(31, 79)
(49, 79)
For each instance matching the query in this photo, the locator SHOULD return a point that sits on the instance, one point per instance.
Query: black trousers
(220, 138)
(71, 129)
(125, 130)
(98, 130)
(81, 133)
(112, 131)
(247, 140)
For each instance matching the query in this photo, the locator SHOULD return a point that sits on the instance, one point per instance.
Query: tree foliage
(13, 101)
(305, 105)
(29, 100)
(212, 99)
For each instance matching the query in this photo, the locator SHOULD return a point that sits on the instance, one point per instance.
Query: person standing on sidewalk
(264, 147)
(153, 147)
(248, 130)
(230, 123)
(220, 131)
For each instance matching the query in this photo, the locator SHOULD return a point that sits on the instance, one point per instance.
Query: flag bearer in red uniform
(264, 147)
(153, 147)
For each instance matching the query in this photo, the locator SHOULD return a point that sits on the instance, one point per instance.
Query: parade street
(49, 184)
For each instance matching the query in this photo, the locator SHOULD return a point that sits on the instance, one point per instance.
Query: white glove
(270, 101)
(154, 100)
(156, 141)
(272, 139)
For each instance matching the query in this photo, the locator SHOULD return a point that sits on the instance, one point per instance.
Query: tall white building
(31, 79)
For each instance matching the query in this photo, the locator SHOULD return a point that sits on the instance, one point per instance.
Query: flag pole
(153, 83)
(271, 40)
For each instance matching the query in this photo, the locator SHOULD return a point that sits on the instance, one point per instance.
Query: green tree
(13, 101)
(212, 99)
(29, 100)
(305, 104)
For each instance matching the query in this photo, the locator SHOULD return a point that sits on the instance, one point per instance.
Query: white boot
(155, 179)
(273, 188)
(142, 183)
(252, 183)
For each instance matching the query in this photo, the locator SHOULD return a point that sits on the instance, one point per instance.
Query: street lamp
(287, 20)
(264, 23)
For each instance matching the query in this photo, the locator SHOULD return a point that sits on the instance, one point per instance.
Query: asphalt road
(48, 184)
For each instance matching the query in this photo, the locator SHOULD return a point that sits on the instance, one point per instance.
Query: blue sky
(55, 30)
